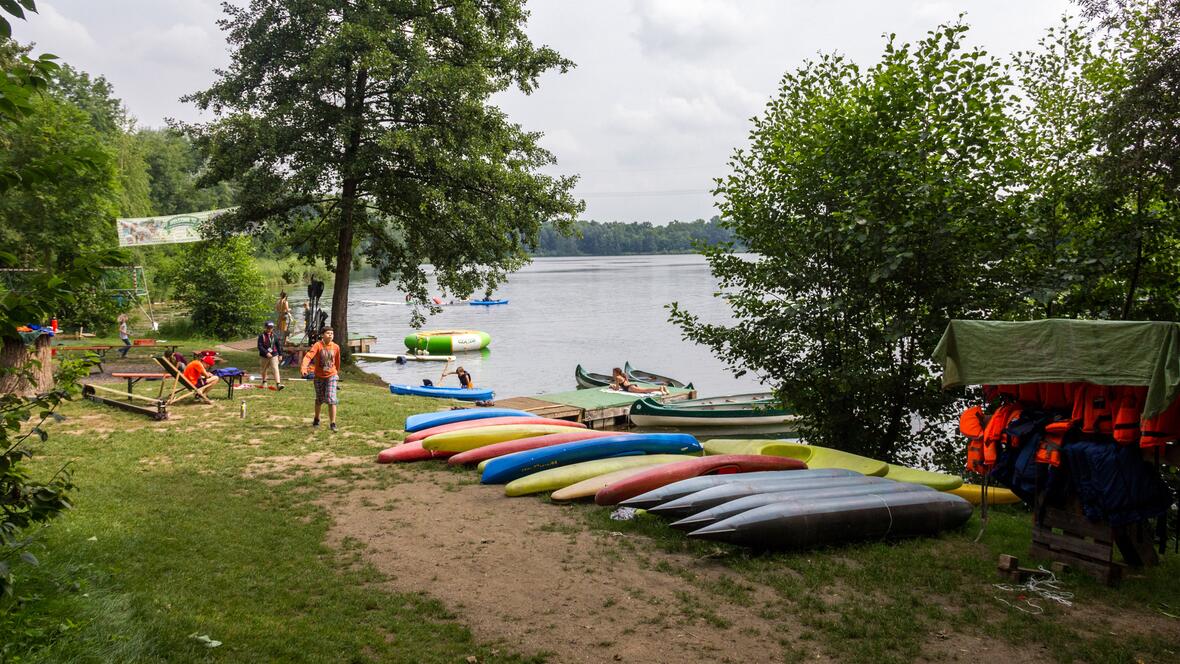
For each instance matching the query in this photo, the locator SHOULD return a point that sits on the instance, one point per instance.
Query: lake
(596, 311)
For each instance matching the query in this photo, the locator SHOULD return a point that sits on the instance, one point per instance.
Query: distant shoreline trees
(615, 238)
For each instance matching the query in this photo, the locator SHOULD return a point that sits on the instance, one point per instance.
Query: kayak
(805, 524)
(996, 495)
(940, 481)
(692, 485)
(814, 456)
(502, 470)
(703, 500)
(447, 341)
(460, 393)
(563, 476)
(589, 487)
(490, 422)
(655, 478)
(486, 303)
(438, 418)
(469, 439)
(481, 454)
(747, 503)
(412, 357)
(409, 452)
(640, 376)
(737, 410)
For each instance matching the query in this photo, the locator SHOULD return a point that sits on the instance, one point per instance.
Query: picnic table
(101, 351)
(231, 376)
(134, 377)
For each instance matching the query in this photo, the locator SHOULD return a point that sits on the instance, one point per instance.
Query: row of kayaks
(844, 495)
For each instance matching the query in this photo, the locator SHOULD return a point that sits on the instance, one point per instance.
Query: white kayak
(382, 357)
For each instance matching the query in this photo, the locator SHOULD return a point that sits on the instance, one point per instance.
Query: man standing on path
(124, 335)
(324, 358)
(268, 355)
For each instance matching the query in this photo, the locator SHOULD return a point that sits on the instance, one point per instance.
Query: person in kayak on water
(622, 383)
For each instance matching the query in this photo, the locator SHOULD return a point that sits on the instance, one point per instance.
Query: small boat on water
(486, 303)
(461, 393)
(736, 410)
(588, 379)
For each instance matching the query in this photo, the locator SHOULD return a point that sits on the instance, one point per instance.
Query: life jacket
(1093, 409)
(1049, 449)
(1029, 394)
(1055, 396)
(971, 424)
(984, 440)
(1127, 414)
(1162, 428)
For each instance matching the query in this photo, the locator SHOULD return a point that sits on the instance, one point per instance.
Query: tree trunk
(1129, 303)
(15, 355)
(355, 108)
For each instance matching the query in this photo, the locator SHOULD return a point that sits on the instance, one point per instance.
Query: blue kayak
(463, 393)
(486, 303)
(504, 469)
(427, 420)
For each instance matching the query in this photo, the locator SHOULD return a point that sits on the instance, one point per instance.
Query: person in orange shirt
(324, 358)
(197, 373)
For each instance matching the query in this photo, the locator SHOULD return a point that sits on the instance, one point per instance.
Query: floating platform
(596, 407)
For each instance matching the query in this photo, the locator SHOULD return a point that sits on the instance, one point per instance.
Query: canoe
(996, 495)
(586, 379)
(481, 454)
(440, 417)
(640, 376)
(806, 524)
(409, 452)
(940, 481)
(441, 342)
(490, 422)
(747, 503)
(692, 485)
(486, 303)
(502, 470)
(563, 476)
(812, 455)
(460, 393)
(655, 478)
(412, 357)
(703, 500)
(469, 439)
(587, 488)
(737, 410)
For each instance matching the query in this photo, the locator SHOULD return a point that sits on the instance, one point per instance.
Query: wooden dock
(596, 407)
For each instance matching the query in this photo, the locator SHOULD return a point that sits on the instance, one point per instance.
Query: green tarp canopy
(975, 352)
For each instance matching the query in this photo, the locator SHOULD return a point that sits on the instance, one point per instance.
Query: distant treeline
(616, 238)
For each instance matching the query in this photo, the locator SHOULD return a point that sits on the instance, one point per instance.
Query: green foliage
(365, 129)
(223, 289)
(615, 239)
(870, 201)
(174, 166)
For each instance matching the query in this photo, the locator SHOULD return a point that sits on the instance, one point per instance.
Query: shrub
(223, 288)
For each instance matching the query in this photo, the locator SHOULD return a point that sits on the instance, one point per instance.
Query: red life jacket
(1049, 451)
(1055, 396)
(1162, 428)
(1029, 394)
(1093, 409)
(1128, 413)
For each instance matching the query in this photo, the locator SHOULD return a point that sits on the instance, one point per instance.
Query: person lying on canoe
(465, 380)
(619, 381)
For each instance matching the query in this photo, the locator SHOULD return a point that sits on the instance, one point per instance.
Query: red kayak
(490, 422)
(522, 444)
(409, 452)
(667, 473)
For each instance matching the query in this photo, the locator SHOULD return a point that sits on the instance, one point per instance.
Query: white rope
(1042, 583)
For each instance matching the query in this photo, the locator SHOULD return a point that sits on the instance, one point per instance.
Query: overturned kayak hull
(502, 470)
(563, 476)
(813, 455)
(709, 498)
(481, 454)
(409, 452)
(470, 439)
(439, 418)
(460, 393)
(973, 493)
(589, 487)
(692, 485)
(655, 478)
(490, 422)
(939, 481)
(807, 524)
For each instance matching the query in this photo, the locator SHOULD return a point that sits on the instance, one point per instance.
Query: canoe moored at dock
(502, 470)
(746, 503)
(640, 376)
(481, 454)
(490, 422)
(469, 439)
(409, 452)
(737, 410)
(438, 418)
(587, 379)
(703, 500)
(814, 456)
(805, 524)
(442, 342)
(655, 478)
(692, 485)
(996, 495)
(563, 476)
(460, 393)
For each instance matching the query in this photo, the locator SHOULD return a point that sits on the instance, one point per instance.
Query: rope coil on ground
(1043, 584)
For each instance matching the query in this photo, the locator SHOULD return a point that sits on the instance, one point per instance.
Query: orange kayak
(409, 452)
(720, 464)
(521, 444)
(489, 422)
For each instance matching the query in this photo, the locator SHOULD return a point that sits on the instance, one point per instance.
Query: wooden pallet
(1067, 536)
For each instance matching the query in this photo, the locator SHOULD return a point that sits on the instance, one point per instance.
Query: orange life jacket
(971, 424)
(1093, 409)
(984, 439)
(1049, 451)
(1029, 394)
(1055, 396)
(1162, 428)
(1127, 414)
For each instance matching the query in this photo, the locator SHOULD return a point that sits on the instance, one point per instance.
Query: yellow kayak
(996, 495)
(469, 439)
(940, 481)
(563, 476)
(812, 455)
(589, 487)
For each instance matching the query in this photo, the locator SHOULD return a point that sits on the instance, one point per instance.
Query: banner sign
(139, 231)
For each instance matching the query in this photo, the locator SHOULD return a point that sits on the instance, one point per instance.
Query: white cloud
(691, 29)
(50, 27)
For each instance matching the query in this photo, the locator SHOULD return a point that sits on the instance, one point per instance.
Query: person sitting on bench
(197, 373)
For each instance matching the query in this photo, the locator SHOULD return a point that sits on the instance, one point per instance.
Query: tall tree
(365, 125)
(870, 199)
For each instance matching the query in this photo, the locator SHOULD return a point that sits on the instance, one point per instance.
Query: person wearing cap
(269, 354)
(197, 373)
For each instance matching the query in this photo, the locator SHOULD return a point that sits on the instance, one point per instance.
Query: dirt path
(527, 573)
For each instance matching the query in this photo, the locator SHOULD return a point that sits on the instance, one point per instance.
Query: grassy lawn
(211, 525)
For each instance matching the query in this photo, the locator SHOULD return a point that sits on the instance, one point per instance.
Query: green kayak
(814, 456)
(940, 481)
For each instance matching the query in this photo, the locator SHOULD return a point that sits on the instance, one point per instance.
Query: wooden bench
(100, 351)
(133, 378)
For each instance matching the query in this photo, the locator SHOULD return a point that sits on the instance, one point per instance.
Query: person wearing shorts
(322, 360)
(268, 355)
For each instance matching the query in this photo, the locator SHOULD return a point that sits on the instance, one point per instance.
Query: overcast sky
(662, 93)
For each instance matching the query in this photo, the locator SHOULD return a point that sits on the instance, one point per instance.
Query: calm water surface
(595, 311)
